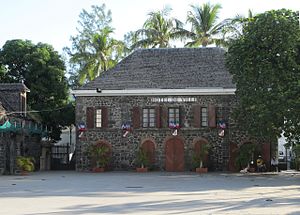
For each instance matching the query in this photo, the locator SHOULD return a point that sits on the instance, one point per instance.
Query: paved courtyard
(149, 193)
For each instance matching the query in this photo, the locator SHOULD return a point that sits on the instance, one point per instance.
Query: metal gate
(60, 158)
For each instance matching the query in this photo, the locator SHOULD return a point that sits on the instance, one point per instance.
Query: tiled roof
(171, 68)
(13, 87)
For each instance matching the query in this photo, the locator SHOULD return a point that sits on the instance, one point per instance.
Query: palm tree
(93, 49)
(158, 30)
(205, 29)
(96, 54)
(233, 27)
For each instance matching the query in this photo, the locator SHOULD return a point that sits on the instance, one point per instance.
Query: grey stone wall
(124, 148)
(8, 153)
(2, 155)
(13, 144)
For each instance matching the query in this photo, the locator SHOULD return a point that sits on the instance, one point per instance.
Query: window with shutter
(220, 114)
(148, 117)
(98, 118)
(174, 116)
(204, 117)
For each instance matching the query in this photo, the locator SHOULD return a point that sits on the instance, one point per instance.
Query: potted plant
(100, 153)
(200, 157)
(25, 164)
(142, 161)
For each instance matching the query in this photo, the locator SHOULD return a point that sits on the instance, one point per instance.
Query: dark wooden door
(149, 148)
(174, 155)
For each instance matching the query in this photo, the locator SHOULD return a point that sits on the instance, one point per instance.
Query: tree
(2, 72)
(265, 64)
(158, 30)
(205, 29)
(43, 72)
(130, 38)
(93, 50)
(232, 28)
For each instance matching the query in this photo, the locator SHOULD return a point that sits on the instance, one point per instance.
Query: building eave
(154, 92)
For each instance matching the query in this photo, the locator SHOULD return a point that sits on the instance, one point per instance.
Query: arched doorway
(174, 149)
(149, 148)
(108, 154)
(197, 145)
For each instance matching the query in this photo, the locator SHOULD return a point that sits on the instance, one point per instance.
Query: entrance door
(174, 155)
(149, 148)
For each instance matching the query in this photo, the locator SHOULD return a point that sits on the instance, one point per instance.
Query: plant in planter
(200, 157)
(142, 161)
(25, 164)
(100, 153)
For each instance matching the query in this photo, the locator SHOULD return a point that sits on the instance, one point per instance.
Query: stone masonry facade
(120, 110)
(16, 142)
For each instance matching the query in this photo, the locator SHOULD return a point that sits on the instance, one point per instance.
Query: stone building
(170, 100)
(20, 135)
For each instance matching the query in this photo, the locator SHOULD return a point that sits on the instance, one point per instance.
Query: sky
(55, 21)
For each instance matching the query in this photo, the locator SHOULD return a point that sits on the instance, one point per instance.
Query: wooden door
(174, 155)
(149, 148)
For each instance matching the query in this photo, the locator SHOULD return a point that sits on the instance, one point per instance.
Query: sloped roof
(13, 87)
(7, 97)
(170, 68)
(2, 109)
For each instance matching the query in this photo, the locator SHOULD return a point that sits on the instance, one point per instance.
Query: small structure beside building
(20, 135)
(167, 101)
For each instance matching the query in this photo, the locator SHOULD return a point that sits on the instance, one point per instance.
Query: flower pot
(201, 170)
(24, 173)
(98, 169)
(142, 169)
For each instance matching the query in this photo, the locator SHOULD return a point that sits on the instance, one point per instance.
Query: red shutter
(104, 112)
(181, 116)
(197, 116)
(164, 117)
(90, 117)
(157, 116)
(211, 116)
(136, 117)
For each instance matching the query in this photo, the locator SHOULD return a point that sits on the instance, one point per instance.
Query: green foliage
(158, 31)
(265, 65)
(100, 153)
(25, 163)
(296, 151)
(232, 28)
(43, 72)
(205, 28)
(142, 159)
(93, 50)
(198, 158)
(245, 155)
(2, 71)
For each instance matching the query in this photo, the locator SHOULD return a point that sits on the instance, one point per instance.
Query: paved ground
(149, 193)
